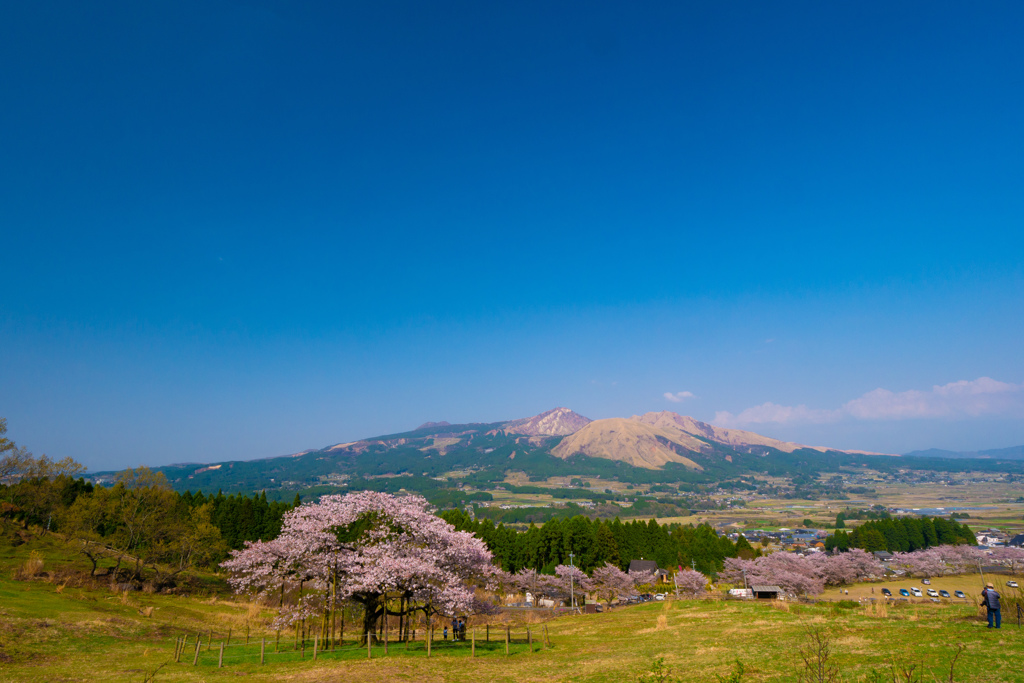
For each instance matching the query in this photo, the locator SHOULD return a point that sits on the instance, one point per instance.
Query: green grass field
(51, 630)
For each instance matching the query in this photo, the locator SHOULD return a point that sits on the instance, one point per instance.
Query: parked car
(944, 593)
(959, 594)
(926, 582)
(904, 592)
(916, 592)
(932, 593)
(1012, 584)
(659, 596)
(886, 592)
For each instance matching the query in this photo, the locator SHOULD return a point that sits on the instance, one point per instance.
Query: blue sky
(241, 230)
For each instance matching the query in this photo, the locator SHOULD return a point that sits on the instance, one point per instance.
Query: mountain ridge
(554, 422)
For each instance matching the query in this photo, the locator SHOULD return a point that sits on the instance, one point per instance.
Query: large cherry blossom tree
(389, 554)
(609, 583)
(691, 583)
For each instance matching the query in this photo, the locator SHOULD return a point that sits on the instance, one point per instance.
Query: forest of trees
(902, 535)
(593, 543)
(139, 524)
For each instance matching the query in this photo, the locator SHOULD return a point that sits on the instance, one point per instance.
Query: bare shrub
(952, 664)
(735, 677)
(816, 655)
(902, 670)
(658, 673)
(30, 568)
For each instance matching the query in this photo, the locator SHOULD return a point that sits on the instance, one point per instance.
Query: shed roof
(765, 589)
(643, 566)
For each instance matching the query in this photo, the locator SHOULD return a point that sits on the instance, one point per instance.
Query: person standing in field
(990, 599)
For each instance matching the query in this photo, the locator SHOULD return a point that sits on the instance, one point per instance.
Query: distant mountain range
(1011, 453)
(657, 447)
(443, 461)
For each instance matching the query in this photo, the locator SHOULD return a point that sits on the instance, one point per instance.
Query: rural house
(643, 566)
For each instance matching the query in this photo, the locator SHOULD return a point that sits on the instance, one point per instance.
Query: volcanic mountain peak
(631, 441)
(432, 425)
(555, 422)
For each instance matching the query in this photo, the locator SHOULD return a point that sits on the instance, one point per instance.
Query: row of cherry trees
(608, 583)
(809, 575)
(803, 575)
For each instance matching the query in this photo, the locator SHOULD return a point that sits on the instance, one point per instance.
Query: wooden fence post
(507, 633)
(430, 637)
(277, 642)
(247, 633)
(487, 633)
(220, 660)
(529, 641)
(547, 639)
(472, 650)
(177, 642)
(209, 641)
(369, 645)
(195, 660)
(263, 650)
(316, 645)
(229, 635)
(385, 635)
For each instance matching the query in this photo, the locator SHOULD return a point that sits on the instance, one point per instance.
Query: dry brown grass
(30, 568)
(878, 609)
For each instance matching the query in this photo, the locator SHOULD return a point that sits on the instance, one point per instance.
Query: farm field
(55, 632)
(998, 501)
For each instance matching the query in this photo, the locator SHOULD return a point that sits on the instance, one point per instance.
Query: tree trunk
(401, 617)
(91, 559)
(334, 603)
(369, 619)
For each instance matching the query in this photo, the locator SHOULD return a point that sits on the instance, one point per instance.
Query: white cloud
(678, 397)
(772, 412)
(963, 399)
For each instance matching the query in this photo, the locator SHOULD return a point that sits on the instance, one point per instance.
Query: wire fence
(203, 649)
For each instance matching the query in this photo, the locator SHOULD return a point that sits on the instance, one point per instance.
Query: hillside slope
(632, 442)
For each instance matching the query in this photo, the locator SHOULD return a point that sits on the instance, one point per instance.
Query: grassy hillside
(54, 627)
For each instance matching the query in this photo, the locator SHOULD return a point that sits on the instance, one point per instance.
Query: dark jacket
(991, 598)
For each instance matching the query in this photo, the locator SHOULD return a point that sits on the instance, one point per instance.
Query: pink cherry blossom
(369, 548)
